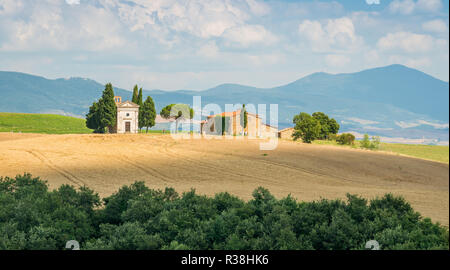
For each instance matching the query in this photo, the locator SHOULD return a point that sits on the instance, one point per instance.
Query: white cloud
(362, 121)
(200, 18)
(417, 123)
(372, 2)
(419, 62)
(402, 7)
(249, 34)
(437, 26)
(337, 60)
(73, 2)
(406, 42)
(51, 26)
(409, 6)
(376, 128)
(337, 35)
(209, 50)
(258, 8)
(8, 7)
(429, 5)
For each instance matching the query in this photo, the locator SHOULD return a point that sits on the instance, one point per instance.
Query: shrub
(346, 139)
(370, 144)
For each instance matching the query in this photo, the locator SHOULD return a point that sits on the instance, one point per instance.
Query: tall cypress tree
(141, 104)
(108, 109)
(148, 114)
(244, 117)
(134, 99)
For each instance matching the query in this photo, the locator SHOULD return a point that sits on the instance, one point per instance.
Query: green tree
(306, 127)
(221, 123)
(135, 99)
(107, 109)
(243, 117)
(92, 118)
(328, 126)
(375, 144)
(346, 139)
(141, 104)
(365, 143)
(102, 115)
(177, 112)
(148, 114)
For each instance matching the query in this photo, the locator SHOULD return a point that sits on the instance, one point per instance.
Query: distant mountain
(391, 101)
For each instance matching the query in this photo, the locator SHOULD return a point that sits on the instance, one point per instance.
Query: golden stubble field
(307, 172)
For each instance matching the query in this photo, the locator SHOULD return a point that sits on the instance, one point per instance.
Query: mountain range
(393, 101)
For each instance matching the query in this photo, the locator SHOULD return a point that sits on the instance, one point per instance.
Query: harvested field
(308, 172)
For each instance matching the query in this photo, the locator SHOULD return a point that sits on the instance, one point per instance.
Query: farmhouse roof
(286, 129)
(229, 114)
(270, 126)
(127, 104)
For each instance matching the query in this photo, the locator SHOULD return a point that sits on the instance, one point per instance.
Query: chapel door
(127, 127)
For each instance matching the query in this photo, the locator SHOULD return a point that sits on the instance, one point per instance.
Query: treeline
(102, 115)
(135, 217)
(320, 126)
(317, 126)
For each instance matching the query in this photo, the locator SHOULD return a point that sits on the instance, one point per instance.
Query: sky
(199, 44)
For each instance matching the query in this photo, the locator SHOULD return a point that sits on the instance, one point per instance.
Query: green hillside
(431, 152)
(41, 123)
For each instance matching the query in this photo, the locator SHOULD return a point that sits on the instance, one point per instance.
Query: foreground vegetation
(135, 217)
(41, 123)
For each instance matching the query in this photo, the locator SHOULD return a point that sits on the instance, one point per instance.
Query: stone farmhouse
(286, 133)
(127, 116)
(255, 127)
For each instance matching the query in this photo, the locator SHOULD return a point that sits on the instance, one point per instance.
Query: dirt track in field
(308, 172)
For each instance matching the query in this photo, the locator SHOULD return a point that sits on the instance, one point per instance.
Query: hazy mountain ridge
(385, 100)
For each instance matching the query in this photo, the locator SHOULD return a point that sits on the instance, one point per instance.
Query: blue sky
(198, 44)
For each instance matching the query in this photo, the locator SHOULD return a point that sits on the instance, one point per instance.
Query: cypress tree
(244, 117)
(108, 109)
(148, 114)
(141, 104)
(134, 99)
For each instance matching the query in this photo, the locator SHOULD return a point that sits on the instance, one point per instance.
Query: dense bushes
(345, 139)
(31, 217)
(370, 144)
(313, 127)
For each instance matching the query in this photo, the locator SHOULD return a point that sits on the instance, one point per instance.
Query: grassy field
(430, 152)
(41, 123)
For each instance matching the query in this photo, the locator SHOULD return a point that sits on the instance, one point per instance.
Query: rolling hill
(393, 101)
(42, 123)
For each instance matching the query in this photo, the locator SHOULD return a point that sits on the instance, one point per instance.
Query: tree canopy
(148, 113)
(244, 117)
(102, 115)
(176, 111)
(135, 98)
(306, 127)
(327, 125)
(310, 128)
(136, 217)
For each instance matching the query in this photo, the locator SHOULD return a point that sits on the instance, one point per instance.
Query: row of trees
(136, 217)
(102, 116)
(317, 126)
